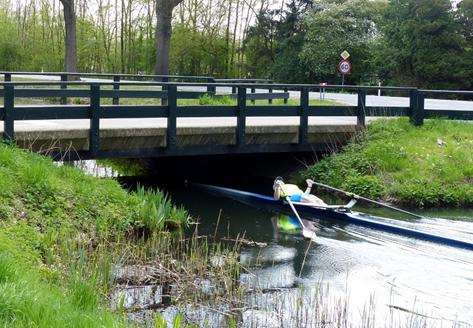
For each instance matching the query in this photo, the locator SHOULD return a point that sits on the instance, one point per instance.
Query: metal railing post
(116, 86)
(94, 143)
(304, 117)
(270, 90)
(64, 78)
(253, 90)
(171, 131)
(8, 119)
(417, 102)
(361, 109)
(241, 118)
(286, 99)
(7, 77)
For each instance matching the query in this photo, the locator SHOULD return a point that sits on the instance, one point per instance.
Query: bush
(368, 185)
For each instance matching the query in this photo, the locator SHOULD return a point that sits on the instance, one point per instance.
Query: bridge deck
(126, 134)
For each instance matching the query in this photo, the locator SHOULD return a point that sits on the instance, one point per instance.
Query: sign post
(344, 66)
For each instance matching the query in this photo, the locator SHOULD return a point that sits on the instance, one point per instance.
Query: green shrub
(367, 185)
(209, 100)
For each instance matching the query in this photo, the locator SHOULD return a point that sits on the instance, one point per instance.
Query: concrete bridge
(93, 128)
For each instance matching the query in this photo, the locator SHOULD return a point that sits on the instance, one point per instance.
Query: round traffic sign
(344, 67)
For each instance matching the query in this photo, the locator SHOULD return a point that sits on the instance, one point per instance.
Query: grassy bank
(426, 166)
(56, 224)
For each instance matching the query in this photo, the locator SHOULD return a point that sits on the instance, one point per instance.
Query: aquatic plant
(157, 211)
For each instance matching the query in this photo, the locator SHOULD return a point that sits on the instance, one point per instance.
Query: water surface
(375, 274)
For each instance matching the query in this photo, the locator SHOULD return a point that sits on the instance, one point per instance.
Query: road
(350, 99)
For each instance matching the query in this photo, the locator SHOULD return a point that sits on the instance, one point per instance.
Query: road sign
(344, 67)
(345, 54)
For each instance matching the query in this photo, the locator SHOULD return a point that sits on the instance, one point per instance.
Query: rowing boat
(341, 213)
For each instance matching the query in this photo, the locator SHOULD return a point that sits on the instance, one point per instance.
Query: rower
(295, 194)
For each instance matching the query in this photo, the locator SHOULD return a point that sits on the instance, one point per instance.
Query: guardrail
(117, 78)
(95, 110)
(270, 95)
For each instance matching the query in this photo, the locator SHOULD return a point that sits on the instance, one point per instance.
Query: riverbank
(427, 166)
(58, 230)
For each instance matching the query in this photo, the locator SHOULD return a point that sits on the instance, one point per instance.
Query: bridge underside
(140, 138)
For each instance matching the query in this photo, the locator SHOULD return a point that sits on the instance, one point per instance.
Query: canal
(370, 277)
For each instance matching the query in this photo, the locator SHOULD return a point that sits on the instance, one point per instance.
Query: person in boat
(295, 194)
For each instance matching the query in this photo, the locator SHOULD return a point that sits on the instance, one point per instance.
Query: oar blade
(309, 234)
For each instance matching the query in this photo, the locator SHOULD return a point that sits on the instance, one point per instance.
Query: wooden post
(116, 86)
(417, 103)
(171, 132)
(8, 119)
(361, 109)
(64, 78)
(304, 117)
(164, 100)
(211, 89)
(241, 118)
(94, 143)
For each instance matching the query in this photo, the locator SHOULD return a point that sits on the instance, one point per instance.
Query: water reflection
(366, 272)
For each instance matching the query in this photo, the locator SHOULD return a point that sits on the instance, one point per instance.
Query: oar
(307, 233)
(354, 196)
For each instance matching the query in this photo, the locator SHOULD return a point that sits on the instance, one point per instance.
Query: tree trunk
(163, 34)
(70, 39)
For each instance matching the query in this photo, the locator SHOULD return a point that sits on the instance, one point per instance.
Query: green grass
(398, 162)
(27, 299)
(56, 223)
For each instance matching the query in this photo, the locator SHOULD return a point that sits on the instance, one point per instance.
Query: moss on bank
(429, 166)
(51, 219)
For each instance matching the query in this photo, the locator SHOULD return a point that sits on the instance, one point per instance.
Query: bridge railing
(117, 78)
(270, 95)
(95, 110)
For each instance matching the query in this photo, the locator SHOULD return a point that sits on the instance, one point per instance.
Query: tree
(290, 34)
(164, 10)
(335, 26)
(423, 45)
(259, 45)
(70, 37)
(465, 17)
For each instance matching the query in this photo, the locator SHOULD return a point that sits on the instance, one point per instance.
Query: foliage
(28, 300)
(156, 210)
(425, 45)
(209, 100)
(465, 18)
(196, 54)
(60, 200)
(333, 27)
(405, 164)
(52, 219)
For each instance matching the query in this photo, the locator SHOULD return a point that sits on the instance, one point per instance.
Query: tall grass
(56, 226)
(157, 211)
(431, 165)
(28, 299)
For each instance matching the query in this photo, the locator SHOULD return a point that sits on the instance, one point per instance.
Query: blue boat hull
(332, 213)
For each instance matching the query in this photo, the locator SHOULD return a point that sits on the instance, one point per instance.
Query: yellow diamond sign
(345, 55)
